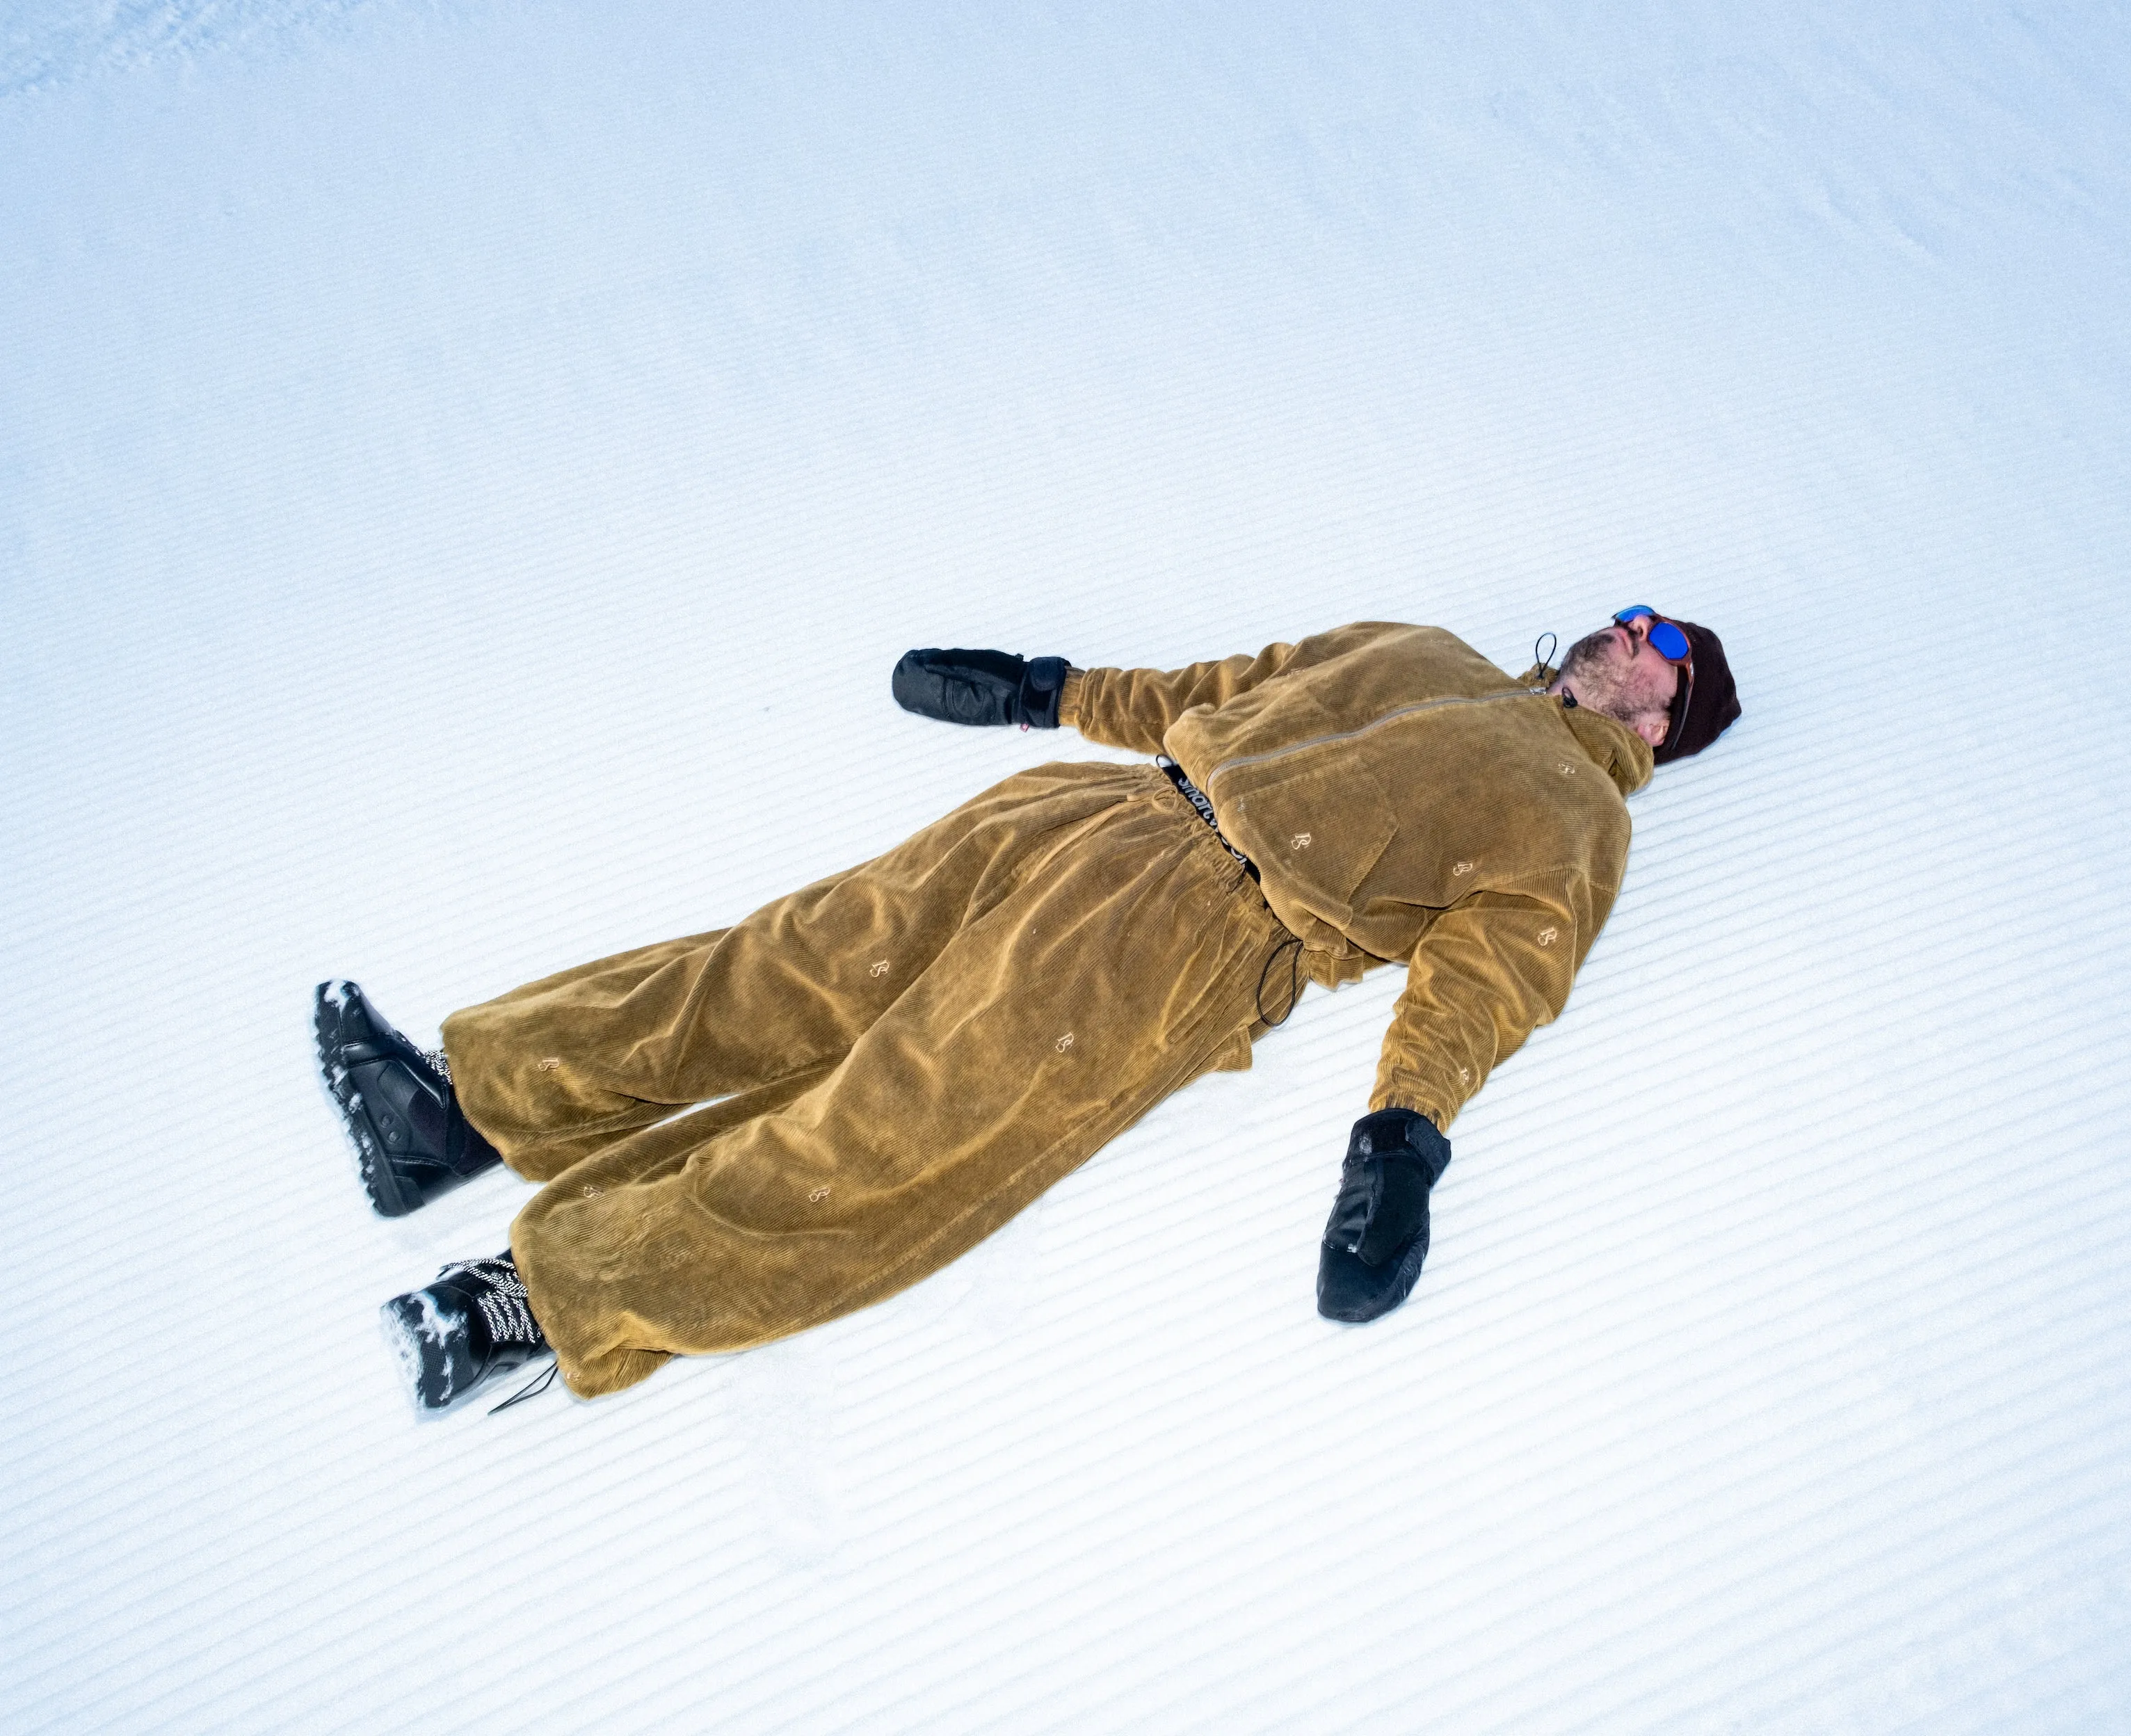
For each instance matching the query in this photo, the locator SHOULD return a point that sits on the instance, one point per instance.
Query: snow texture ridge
(466, 474)
(48, 43)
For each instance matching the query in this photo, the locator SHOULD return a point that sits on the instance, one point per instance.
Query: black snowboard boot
(1377, 1235)
(454, 1335)
(412, 1141)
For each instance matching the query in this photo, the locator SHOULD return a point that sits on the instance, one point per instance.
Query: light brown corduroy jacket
(1404, 799)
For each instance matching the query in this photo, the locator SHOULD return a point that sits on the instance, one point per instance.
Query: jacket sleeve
(1487, 973)
(1133, 708)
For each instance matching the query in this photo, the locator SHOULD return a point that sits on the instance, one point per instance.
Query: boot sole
(407, 1356)
(404, 1338)
(390, 1196)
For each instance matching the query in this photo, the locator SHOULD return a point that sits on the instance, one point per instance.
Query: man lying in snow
(906, 1054)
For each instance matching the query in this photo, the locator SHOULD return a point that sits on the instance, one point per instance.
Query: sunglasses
(1661, 635)
(1669, 641)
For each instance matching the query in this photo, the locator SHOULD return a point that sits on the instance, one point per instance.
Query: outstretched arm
(1488, 972)
(1133, 708)
(1130, 708)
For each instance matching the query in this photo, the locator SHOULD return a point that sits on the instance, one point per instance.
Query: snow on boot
(412, 1141)
(455, 1335)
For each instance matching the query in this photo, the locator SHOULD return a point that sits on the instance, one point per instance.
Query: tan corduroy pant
(905, 1055)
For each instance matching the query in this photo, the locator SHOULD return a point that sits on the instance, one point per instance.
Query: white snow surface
(466, 472)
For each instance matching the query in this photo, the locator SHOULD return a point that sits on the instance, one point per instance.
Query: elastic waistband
(1196, 797)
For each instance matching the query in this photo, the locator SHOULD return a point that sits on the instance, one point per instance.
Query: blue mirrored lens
(1669, 642)
(1634, 611)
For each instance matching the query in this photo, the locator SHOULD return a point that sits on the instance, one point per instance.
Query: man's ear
(1654, 730)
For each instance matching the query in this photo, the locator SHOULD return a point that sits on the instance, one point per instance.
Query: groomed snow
(465, 470)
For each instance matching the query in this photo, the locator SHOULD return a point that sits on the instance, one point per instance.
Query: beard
(1602, 678)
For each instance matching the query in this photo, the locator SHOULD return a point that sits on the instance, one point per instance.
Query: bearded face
(1614, 671)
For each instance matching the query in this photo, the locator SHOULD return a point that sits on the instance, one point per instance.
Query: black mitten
(1377, 1236)
(980, 687)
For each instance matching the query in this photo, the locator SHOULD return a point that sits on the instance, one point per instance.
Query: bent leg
(1122, 964)
(555, 1070)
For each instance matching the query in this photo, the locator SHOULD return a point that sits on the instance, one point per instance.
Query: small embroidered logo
(591, 1192)
(879, 968)
(548, 1065)
(1568, 770)
(1064, 1043)
(818, 1195)
(1548, 936)
(1461, 869)
(1464, 1075)
(1300, 841)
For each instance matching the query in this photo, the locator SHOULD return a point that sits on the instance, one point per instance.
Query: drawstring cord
(1294, 980)
(1203, 808)
(1551, 643)
(533, 1390)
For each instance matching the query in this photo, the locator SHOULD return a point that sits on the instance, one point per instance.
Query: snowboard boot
(458, 1333)
(412, 1141)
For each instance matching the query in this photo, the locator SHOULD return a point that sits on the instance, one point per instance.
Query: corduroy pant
(892, 1063)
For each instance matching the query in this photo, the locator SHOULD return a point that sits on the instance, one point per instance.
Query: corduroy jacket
(1403, 799)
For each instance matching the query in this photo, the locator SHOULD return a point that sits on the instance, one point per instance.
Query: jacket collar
(1623, 754)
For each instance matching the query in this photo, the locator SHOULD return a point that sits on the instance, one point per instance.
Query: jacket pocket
(1314, 830)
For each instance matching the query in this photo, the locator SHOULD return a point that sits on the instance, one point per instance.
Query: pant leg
(1121, 960)
(552, 1071)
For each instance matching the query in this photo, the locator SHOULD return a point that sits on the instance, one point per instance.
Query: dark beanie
(1702, 712)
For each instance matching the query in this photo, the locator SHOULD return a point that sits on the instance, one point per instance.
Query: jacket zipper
(1403, 711)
